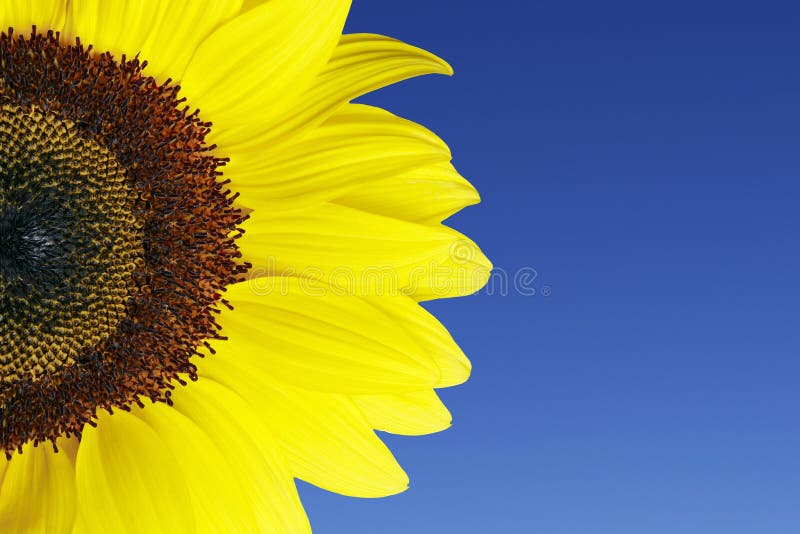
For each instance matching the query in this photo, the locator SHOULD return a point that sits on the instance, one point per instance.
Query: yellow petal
(363, 253)
(117, 26)
(331, 445)
(427, 195)
(454, 367)
(219, 499)
(165, 32)
(22, 14)
(253, 454)
(177, 32)
(326, 342)
(80, 526)
(411, 414)
(262, 60)
(326, 439)
(357, 145)
(360, 63)
(129, 481)
(38, 492)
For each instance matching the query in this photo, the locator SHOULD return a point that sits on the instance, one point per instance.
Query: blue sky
(643, 158)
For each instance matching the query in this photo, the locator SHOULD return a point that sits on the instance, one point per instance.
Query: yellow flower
(211, 264)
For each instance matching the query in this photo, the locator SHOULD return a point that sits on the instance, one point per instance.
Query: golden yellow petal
(256, 461)
(319, 340)
(23, 14)
(363, 253)
(454, 367)
(117, 26)
(360, 63)
(262, 60)
(325, 437)
(38, 491)
(165, 33)
(219, 499)
(129, 481)
(178, 30)
(356, 146)
(427, 195)
(412, 414)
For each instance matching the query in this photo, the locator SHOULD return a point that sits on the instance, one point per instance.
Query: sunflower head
(138, 141)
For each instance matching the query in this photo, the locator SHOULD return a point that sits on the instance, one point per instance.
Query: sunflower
(211, 264)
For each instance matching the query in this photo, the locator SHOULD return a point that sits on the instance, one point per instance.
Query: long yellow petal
(235, 425)
(263, 60)
(117, 26)
(454, 367)
(23, 14)
(219, 498)
(179, 29)
(38, 491)
(363, 253)
(360, 63)
(164, 32)
(411, 414)
(331, 445)
(427, 195)
(128, 480)
(326, 439)
(357, 145)
(319, 340)
(414, 335)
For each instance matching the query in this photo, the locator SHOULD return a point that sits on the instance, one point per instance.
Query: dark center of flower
(69, 244)
(117, 237)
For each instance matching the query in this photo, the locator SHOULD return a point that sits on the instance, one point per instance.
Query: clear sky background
(644, 159)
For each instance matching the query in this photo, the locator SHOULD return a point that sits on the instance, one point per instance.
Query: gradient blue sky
(644, 158)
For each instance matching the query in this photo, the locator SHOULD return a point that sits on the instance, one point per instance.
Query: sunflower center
(30, 246)
(69, 244)
(117, 237)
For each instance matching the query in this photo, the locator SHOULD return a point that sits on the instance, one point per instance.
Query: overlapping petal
(454, 367)
(412, 414)
(325, 438)
(355, 146)
(263, 60)
(23, 14)
(234, 424)
(129, 481)
(360, 63)
(38, 494)
(427, 195)
(309, 335)
(220, 499)
(363, 253)
(165, 33)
